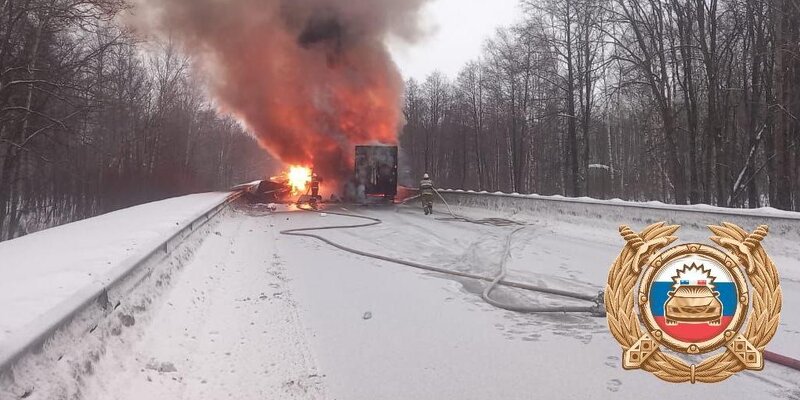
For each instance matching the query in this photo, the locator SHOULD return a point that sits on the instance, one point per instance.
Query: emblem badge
(693, 299)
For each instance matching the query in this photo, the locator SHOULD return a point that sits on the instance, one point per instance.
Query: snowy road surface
(258, 315)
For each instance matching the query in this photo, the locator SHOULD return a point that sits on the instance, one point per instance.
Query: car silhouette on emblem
(693, 304)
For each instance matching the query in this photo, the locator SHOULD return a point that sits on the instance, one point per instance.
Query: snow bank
(46, 275)
(75, 348)
(784, 223)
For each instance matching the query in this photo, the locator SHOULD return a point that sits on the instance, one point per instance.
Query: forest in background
(682, 101)
(92, 120)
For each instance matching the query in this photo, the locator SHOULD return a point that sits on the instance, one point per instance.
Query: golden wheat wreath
(641, 350)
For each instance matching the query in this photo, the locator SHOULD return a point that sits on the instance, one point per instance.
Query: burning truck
(374, 177)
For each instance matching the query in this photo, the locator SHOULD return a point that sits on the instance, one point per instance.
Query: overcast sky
(458, 31)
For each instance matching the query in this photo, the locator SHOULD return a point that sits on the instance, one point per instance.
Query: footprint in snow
(532, 337)
(613, 385)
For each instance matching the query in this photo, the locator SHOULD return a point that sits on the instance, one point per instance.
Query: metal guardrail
(706, 209)
(782, 223)
(34, 336)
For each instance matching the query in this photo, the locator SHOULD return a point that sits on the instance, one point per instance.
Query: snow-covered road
(259, 315)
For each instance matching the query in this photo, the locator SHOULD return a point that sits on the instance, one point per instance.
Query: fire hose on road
(455, 217)
(598, 309)
(486, 295)
(768, 355)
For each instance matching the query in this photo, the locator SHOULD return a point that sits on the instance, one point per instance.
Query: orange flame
(299, 177)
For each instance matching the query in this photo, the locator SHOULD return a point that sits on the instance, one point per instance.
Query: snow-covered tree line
(685, 101)
(92, 120)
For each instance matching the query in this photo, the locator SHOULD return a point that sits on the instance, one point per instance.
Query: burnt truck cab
(267, 190)
(376, 171)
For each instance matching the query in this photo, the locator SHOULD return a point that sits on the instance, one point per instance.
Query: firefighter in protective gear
(315, 197)
(426, 193)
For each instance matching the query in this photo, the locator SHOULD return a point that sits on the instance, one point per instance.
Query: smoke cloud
(310, 78)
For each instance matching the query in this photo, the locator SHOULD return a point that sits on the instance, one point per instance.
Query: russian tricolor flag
(722, 285)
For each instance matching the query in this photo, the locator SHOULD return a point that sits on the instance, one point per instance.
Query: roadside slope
(39, 271)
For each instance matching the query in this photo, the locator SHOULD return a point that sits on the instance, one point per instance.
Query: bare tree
(678, 100)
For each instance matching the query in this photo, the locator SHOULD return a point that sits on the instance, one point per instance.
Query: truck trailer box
(376, 170)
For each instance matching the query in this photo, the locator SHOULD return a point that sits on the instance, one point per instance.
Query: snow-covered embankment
(59, 284)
